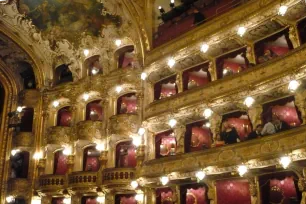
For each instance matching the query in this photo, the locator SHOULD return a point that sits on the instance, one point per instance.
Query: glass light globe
(9, 199)
(204, 48)
(139, 197)
(15, 151)
(282, 10)
(285, 161)
(136, 141)
(249, 101)
(67, 200)
(242, 169)
(94, 71)
(172, 122)
(19, 109)
(171, 62)
(100, 147)
(208, 125)
(200, 175)
(101, 199)
(67, 151)
(207, 113)
(293, 85)
(241, 31)
(37, 155)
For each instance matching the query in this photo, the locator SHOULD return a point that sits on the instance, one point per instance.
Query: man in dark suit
(255, 133)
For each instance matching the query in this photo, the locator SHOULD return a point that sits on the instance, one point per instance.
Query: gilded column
(250, 54)
(76, 198)
(179, 82)
(253, 183)
(212, 193)
(302, 188)
(215, 122)
(294, 36)
(255, 114)
(213, 70)
(110, 198)
(300, 99)
(179, 132)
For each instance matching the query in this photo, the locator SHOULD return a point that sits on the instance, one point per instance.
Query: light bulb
(136, 141)
(159, 7)
(94, 71)
(249, 101)
(164, 180)
(101, 199)
(200, 175)
(172, 1)
(293, 85)
(67, 150)
(285, 161)
(86, 97)
(19, 109)
(67, 200)
(86, 52)
(208, 124)
(141, 131)
(282, 10)
(204, 48)
(55, 104)
(15, 151)
(207, 113)
(171, 62)
(100, 147)
(225, 71)
(139, 197)
(37, 155)
(144, 76)
(118, 89)
(241, 31)
(172, 122)
(242, 169)
(134, 184)
(10, 199)
(118, 42)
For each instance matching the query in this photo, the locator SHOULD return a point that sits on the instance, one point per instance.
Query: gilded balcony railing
(115, 176)
(51, 182)
(82, 179)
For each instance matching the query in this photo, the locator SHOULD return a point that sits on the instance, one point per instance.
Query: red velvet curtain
(269, 44)
(194, 194)
(127, 104)
(64, 117)
(196, 76)
(164, 196)
(197, 137)
(165, 144)
(284, 108)
(279, 187)
(125, 155)
(60, 163)
(27, 120)
(165, 88)
(229, 62)
(125, 199)
(57, 200)
(233, 192)
(94, 111)
(91, 159)
(126, 57)
(241, 122)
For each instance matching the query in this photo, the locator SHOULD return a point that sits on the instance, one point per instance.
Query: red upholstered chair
(233, 192)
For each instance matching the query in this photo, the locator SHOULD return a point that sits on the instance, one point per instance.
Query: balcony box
(51, 183)
(118, 176)
(20, 187)
(81, 180)
(24, 139)
(59, 135)
(123, 124)
(89, 130)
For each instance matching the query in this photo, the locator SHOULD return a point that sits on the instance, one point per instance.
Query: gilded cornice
(234, 88)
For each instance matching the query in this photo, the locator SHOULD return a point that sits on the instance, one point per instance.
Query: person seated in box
(274, 126)
(255, 133)
(229, 134)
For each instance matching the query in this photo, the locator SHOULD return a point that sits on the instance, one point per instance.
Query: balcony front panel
(24, 139)
(89, 130)
(59, 135)
(20, 187)
(83, 180)
(260, 74)
(268, 147)
(123, 124)
(51, 183)
(118, 176)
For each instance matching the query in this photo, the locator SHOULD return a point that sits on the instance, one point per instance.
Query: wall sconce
(118, 89)
(19, 109)
(293, 85)
(38, 155)
(241, 31)
(101, 199)
(55, 104)
(200, 175)
(118, 42)
(164, 180)
(85, 96)
(161, 10)
(136, 141)
(207, 124)
(204, 48)
(36, 200)
(15, 151)
(134, 184)
(143, 76)
(285, 161)
(249, 101)
(139, 197)
(10, 199)
(282, 10)
(207, 113)
(67, 200)
(242, 169)
(67, 150)
(141, 131)
(171, 62)
(172, 4)
(172, 122)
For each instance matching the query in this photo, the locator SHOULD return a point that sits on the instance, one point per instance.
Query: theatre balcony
(82, 180)
(267, 147)
(128, 119)
(118, 176)
(24, 139)
(52, 183)
(88, 130)
(59, 134)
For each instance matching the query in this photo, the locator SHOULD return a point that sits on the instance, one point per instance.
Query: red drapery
(125, 155)
(165, 88)
(91, 159)
(196, 196)
(127, 103)
(64, 116)
(302, 30)
(60, 163)
(233, 192)
(94, 111)
(126, 57)
(164, 196)
(197, 76)
(165, 144)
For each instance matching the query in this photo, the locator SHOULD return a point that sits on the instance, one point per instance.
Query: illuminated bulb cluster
(172, 122)
(10, 199)
(136, 141)
(139, 197)
(94, 71)
(134, 184)
(164, 180)
(200, 175)
(171, 62)
(285, 161)
(282, 10)
(207, 124)
(55, 104)
(86, 52)
(118, 42)
(241, 31)
(293, 85)
(118, 89)
(141, 131)
(19, 109)
(143, 76)
(67, 200)
(249, 101)
(204, 48)
(15, 151)
(67, 150)
(86, 97)
(207, 113)
(37, 155)
(101, 199)
(242, 169)
(100, 147)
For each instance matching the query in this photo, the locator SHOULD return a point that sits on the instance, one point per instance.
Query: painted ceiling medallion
(68, 19)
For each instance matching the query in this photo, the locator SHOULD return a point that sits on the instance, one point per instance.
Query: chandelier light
(118, 42)
(285, 161)
(171, 62)
(249, 101)
(293, 85)
(164, 180)
(200, 175)
(144, 76)
(242, 169)
(204, 48)
(55, 104)
(118, 89)
(141, 131)
(134, 184)
(282, 10)
(86, 52)
(172, 122)
(241, 31)
(207, 113)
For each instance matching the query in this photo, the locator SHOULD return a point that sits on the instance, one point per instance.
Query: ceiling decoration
(71, 20)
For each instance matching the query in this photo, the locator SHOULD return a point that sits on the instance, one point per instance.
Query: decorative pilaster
(213, 70)
(300, 99)
(255, 114)
(46, 199)
(75, 198)
(294, 36)
(110, 198)
(103, 159)
(212, 193)
(250, 54)
(41, 166)
(179, 82)
(70, 163)
(302, 188)
(253, 190)
(179, 132)
(215, 122)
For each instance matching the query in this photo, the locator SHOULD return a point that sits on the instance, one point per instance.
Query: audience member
(274, 126)
(255, 133)
(229, 134)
